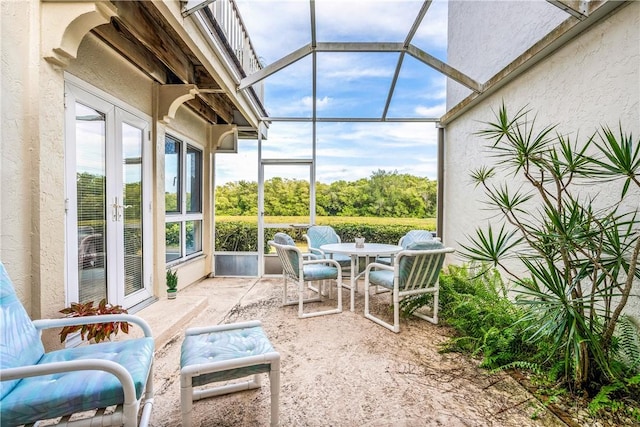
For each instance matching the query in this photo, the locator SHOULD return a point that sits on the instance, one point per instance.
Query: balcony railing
(227, 17)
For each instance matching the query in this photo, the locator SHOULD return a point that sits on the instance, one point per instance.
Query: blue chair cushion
(425, 245)
(50, 396)
(20, 343)
(382, 278)
(283, 239)
(225, 345)
(416, 236)
(322, 235)
(343, 260)
(319, 272)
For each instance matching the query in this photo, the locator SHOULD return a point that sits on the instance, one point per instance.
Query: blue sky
(348, 85)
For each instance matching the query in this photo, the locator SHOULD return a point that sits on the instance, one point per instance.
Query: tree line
(383, 194)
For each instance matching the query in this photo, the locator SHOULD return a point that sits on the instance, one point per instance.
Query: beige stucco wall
(593, 80)
(100, 66)
(32, 208)
(31, 190)
(15, 144)
(484, 36)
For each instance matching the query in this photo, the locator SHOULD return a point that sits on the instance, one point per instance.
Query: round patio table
(367, 251)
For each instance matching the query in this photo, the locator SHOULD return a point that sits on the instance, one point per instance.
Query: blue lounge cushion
(343, 260)
(284, 239)
(50, 396)
(225, 345)
(20, 343)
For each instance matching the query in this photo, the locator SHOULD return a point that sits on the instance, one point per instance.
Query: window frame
(184, 215)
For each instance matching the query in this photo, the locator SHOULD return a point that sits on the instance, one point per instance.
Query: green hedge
(235, 236)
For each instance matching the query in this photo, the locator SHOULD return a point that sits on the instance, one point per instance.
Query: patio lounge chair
(318, 235)
(415, 271)
(36, 385)
(302, 271)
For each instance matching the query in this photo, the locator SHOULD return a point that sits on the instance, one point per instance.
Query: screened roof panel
(276, 28)
(374, 20)
(420, 91)
(353, 84)
(431, 35)
(284, 31)
(289, 93)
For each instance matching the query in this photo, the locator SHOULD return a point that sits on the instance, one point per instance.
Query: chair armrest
(87, 320)
(220, 328)
(323, 261)
(110, 366)
(317, 251)
(378, 266)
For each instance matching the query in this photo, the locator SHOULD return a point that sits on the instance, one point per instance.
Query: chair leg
(284, 294)
(396, 309)
(274, 382)
(434, 317)
(302, 300)
(367, 312)
(186, 399)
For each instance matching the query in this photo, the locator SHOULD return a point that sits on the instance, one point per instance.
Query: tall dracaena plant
(578, 254)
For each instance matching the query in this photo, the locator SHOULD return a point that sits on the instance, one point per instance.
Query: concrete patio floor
(337, 370)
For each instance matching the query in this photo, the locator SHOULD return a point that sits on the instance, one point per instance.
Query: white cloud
(321, 103)
(433, 111)
(365, 19)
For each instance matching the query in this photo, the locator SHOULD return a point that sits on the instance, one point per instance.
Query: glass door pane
(90, 126)
(132, 143)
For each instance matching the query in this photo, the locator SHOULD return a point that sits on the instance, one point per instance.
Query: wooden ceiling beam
(220, 104)
(122, 42)
(138, 19)
(204, 109)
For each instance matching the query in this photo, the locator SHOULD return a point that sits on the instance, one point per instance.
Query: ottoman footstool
(222, 353)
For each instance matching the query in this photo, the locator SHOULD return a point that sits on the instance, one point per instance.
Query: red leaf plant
(96, 331)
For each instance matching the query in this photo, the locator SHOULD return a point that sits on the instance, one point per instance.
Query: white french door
(107, 199)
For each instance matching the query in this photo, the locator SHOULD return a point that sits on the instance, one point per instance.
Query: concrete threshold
(169, 318)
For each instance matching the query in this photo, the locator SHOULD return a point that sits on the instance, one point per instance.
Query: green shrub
(475, 303)
(240, 236)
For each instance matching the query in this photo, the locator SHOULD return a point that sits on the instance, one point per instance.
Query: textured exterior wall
(484, 36)
(102, 67)
(32, 141)
(15, 145)
(31, 190)
(593, 80)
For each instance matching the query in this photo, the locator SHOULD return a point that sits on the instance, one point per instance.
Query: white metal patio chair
(301, 271)
(410, 238)
(37, 385)
(414, 272)
(318, 235)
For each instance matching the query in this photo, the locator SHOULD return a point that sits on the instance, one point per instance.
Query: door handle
(118, 209)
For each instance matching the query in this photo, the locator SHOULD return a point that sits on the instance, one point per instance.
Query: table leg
(354, 273)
